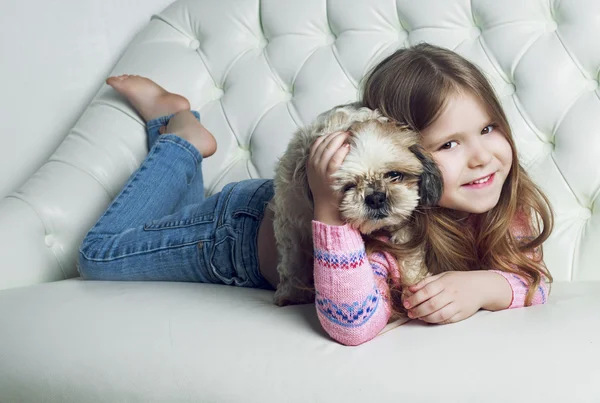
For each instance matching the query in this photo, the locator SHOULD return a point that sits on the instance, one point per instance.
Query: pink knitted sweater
(351, 288)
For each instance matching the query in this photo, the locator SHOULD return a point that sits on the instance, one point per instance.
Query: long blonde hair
(412, 86)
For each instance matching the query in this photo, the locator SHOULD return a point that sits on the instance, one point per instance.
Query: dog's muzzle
(375, 200)
(377, 203)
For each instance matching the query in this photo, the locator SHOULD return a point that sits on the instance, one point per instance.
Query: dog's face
(384, 176)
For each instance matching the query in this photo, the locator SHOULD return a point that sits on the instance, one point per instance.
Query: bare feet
(153, 101)
(185, 125)
(148, 98)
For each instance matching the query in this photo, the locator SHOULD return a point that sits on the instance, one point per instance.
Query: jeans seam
(82, 253)
(180, 224)
(259, 215)
(252, 247)
(236, 264)
(167, 140)
(225, 204)
(153, 126)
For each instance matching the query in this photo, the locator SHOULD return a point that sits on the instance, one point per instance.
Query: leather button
(218, 93)
(244, 152)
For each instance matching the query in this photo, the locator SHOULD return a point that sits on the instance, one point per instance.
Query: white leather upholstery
(165, 343)
(256, 70)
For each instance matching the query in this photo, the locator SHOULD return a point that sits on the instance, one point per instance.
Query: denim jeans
(161, 227)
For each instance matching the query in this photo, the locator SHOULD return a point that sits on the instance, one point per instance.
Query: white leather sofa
(256, 70)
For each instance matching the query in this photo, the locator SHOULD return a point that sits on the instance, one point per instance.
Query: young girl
(483, 242)
(160, 227)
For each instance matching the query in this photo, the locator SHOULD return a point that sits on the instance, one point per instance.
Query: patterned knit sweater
(351, 288)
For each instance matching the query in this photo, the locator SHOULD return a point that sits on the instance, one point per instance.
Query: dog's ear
(431, 184)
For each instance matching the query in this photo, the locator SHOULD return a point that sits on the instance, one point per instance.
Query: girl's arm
(457, 295)
(521, 229)
(352, 294)
(453, 296)
(519, 287)
(351, 303)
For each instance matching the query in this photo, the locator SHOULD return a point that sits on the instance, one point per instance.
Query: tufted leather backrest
(256, 70)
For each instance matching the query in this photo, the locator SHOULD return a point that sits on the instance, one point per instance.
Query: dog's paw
(280, 300)
(293, 296)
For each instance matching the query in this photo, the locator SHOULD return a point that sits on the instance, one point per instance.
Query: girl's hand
(326, 156)
(447, 297)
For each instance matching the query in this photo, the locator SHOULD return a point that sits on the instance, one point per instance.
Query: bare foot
(185, 125)
(148, 98)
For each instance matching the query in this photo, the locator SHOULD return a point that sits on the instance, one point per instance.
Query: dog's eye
(348, 186)
(395, 176)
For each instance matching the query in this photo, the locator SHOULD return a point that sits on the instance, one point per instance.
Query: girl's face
(473, 155)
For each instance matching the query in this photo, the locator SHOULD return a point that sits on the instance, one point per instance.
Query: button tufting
(194, 44)
(244, 151)
(218, 93)
(287, 96)
(475, 32)
(330, 39)
(551, 26)
(585, 214)
(49, 240)
(511, 89)
(549, 147)
(263, 42)
(592, 85)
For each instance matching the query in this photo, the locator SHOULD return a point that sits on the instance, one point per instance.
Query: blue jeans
(161, 227)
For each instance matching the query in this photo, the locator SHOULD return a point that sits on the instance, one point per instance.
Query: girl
(483, 241)
(160, 227)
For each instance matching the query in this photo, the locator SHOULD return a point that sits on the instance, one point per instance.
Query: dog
(383, 178)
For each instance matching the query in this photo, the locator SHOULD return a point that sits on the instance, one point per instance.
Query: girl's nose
(479, 155)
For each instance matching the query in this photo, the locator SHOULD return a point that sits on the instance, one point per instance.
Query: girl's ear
(431, 184)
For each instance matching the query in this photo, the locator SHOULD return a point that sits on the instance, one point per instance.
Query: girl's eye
(448, 145)
(395, 176)
(488, 129)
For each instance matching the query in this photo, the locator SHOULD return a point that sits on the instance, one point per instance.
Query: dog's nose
(375, 200)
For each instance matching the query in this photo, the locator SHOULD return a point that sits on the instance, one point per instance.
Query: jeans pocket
(225, 259)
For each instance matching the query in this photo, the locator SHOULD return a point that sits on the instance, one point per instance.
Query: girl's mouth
(481, 183)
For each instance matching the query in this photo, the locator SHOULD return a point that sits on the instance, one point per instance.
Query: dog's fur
(383, 178)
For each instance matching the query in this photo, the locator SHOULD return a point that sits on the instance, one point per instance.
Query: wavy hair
(412, 86)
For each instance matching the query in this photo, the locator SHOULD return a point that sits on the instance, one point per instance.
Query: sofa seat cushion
(76, 341)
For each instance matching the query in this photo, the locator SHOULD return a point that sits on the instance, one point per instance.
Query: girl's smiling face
(472, 153)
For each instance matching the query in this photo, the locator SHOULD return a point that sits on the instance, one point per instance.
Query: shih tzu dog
(383, 178)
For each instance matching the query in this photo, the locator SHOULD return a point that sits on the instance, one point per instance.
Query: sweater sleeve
(519, 288)
(521, 230)
(351, 292)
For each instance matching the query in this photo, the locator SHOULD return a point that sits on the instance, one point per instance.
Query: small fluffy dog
(383, 178)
